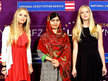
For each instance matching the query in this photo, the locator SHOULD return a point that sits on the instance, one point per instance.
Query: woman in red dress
(16, 54)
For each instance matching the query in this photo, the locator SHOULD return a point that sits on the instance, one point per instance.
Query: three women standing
(54, 49)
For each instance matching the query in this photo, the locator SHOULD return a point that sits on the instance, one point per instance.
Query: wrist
(50, 59)
(3, 69)
(74, 67)
(30, 65)
(104, 66)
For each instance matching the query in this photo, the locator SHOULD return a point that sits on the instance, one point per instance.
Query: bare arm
(41, 54)
(101, 48)
(75, 53)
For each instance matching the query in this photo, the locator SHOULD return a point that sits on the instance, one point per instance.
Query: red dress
(19, 68)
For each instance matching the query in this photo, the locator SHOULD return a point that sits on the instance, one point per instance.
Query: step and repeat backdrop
(40, 9)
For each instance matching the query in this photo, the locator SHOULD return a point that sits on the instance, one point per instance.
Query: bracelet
(43, 58)
(3, 66)
(3, 70)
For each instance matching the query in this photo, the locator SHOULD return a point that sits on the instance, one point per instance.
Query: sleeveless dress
(89, 65)
(19, 68)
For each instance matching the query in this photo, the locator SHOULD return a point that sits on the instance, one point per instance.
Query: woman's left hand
(30, 69)
(55, 62)
(104, 71)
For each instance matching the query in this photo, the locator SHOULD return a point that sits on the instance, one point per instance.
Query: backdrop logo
(0, 7)
(98, 5)
(48, 6)
(106, 57)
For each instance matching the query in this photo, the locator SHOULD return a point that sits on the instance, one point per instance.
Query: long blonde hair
(14, 33)
(78, 26)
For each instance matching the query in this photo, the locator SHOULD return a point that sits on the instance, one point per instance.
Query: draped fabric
(57, 46)
(19, 68)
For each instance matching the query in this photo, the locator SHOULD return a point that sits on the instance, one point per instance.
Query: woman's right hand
(55, 63)
(30, 69)
(74, 73)
(4, 72)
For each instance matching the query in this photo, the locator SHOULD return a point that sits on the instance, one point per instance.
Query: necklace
(21, 30)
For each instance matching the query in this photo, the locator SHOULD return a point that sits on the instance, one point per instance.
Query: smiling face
(55, 22)
(22, 17)
(85, 14)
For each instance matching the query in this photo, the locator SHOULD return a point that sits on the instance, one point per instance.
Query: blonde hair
(14, 33)
(78, 26)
